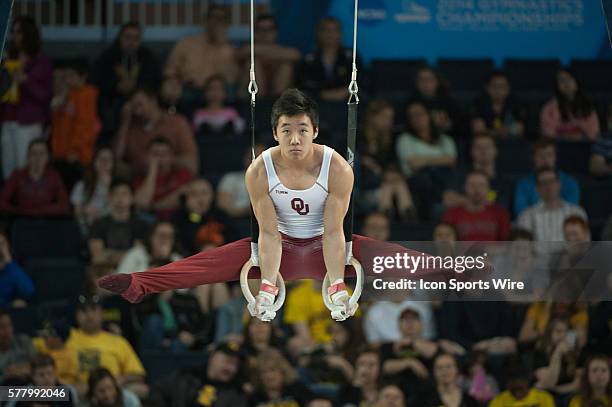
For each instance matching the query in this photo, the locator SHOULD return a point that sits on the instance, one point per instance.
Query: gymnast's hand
(341, 309)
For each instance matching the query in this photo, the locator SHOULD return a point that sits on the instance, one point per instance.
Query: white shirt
(547, 224)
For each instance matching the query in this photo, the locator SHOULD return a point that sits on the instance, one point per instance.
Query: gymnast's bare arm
(340, 185)
(270, 246)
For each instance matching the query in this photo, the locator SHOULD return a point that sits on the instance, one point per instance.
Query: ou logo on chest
(298, 205)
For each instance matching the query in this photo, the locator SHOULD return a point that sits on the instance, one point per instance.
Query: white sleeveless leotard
(299, 212)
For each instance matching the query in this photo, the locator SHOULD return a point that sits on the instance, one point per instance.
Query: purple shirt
(34, 94)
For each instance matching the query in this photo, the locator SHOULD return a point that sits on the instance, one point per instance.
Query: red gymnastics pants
(301, 259)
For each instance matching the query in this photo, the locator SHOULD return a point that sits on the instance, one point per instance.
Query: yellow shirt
(577, 402)
(305, 304)
(103, 350)
(535, 398)
(66, 365)
(540, 314)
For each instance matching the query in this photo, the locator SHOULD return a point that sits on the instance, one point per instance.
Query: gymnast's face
(295, 135)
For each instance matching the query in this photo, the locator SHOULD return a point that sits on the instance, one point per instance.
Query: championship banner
(498, 29)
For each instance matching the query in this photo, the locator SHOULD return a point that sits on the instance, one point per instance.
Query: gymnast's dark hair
(293, 102)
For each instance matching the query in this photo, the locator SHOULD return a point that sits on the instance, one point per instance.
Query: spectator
(520, 262)
(377, 226)
(600, 164)
(391, 395)
(483, 326)
(477, 219)
(484, 156)
(496, 112)
(123, 67)
(567, 265)
(104, 391)
(425, 156)
(324, 73)
(408, 359)
(52, 342)
(25, 107)
(570, 115)
(276, 382)
(142, 121)
(259, 338)
(545, 219)
(161, 187)
(159, 247)
(90, 195)
(217, 384)
(230, 314)
(544, 156)
(274, 63)
(15, 285)
(381, 182)
(595, 383)
(444, 232)
(363, 389)
(307, 315)
(196, 58)
(37, 190)
(232, 195)
(196, 222)
(447, 391)
(217, 119)
(558, 305)
(16, 351)
(432, 91)
(74, 121)
(44, 373)
(555, 359)
(96, 348)
(518, 392)
(173, 321)
(113, 235)
(478, 382)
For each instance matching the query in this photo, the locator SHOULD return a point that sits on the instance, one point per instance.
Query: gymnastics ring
(354, 300)
(244, 285)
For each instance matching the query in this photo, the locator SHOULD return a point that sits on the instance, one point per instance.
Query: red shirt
(166, 184)
(490, 224)
(25, 196)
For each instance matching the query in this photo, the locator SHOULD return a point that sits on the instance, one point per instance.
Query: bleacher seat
(597, 199)
(391, 74)
(532, 75)
(333, 116)
(411, 231)
(574, 156)
(466, 74)
(219, 155)
(593, 74)
(56, 279)
(514, 156)
(35, 239)
(160, 364)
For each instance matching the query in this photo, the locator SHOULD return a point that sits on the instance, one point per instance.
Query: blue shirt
(14, 283)
(527, 195)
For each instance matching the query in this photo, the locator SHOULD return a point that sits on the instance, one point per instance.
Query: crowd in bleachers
(136, 159)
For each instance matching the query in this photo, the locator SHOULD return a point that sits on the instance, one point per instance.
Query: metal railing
(97, 19)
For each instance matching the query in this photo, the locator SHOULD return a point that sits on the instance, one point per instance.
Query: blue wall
(459, 28)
